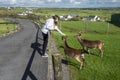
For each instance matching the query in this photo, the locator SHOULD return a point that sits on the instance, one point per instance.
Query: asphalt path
(20, 57)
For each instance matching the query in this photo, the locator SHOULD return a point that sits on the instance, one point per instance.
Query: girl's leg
(45, 42)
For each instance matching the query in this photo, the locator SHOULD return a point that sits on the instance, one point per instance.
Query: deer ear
(80, 33)
(63, 37)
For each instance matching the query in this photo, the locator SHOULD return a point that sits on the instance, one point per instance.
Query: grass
(6, 28)
(2, 20)
(96, 68)
(103, 13)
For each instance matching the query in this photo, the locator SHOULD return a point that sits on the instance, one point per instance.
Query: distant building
(28, 12)
(25, 13)
(67, 17)
(22, 14)
(8, 8)
(92, 18)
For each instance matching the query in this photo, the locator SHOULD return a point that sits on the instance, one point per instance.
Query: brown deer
(86, 44)
(78, 54)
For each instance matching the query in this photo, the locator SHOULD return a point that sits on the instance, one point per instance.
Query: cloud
(57, 1)
(49, 0)
(71, 1)
(115, 1)
(12, 1)
(61, 3)
(77, 2)
(41, 2)
(53, 1)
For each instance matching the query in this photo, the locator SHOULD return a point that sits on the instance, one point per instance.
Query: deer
(77, 54)
(90, 44)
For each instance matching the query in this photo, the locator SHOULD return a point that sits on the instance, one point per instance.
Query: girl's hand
(64, 34)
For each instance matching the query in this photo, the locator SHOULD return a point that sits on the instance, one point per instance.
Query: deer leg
(67, 59)
(101, 53)
(88, 51)
(81, 63)
(81, 60)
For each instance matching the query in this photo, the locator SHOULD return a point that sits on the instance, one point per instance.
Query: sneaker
(45, 55)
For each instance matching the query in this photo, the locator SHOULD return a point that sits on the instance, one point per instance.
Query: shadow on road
(36, 47)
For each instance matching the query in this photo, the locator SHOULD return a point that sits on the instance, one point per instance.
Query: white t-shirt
(49, 25)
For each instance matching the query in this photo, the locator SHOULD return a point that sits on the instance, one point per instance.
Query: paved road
(19, 56)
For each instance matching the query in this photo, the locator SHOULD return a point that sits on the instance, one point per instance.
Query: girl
(51, 24)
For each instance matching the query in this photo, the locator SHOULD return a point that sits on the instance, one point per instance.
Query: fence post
(50, 63)
(108, 28)
(57, 66)
(86, 26)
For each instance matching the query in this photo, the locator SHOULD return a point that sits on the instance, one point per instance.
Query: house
(22, 14)
(28, 12)
(92, 18)
(67, 17)
(25, 13)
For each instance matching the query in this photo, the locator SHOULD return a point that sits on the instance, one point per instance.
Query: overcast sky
(61, 3)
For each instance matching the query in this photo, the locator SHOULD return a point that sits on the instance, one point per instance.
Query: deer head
(64, 38)
(78, 35)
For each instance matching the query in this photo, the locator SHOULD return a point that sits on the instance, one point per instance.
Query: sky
(60, 3)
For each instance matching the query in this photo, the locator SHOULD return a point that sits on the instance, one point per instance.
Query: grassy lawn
(2, 20)
(6, 28)
(96, 68)
(103, 13)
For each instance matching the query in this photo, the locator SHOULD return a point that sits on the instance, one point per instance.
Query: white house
(28, 12)
(92, 18)
(66, 17)
(25, 13)
(22, 14)
(95, 18)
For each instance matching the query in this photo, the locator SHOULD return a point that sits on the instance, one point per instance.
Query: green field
(103, 13)
(5, 28)
(96, 68)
